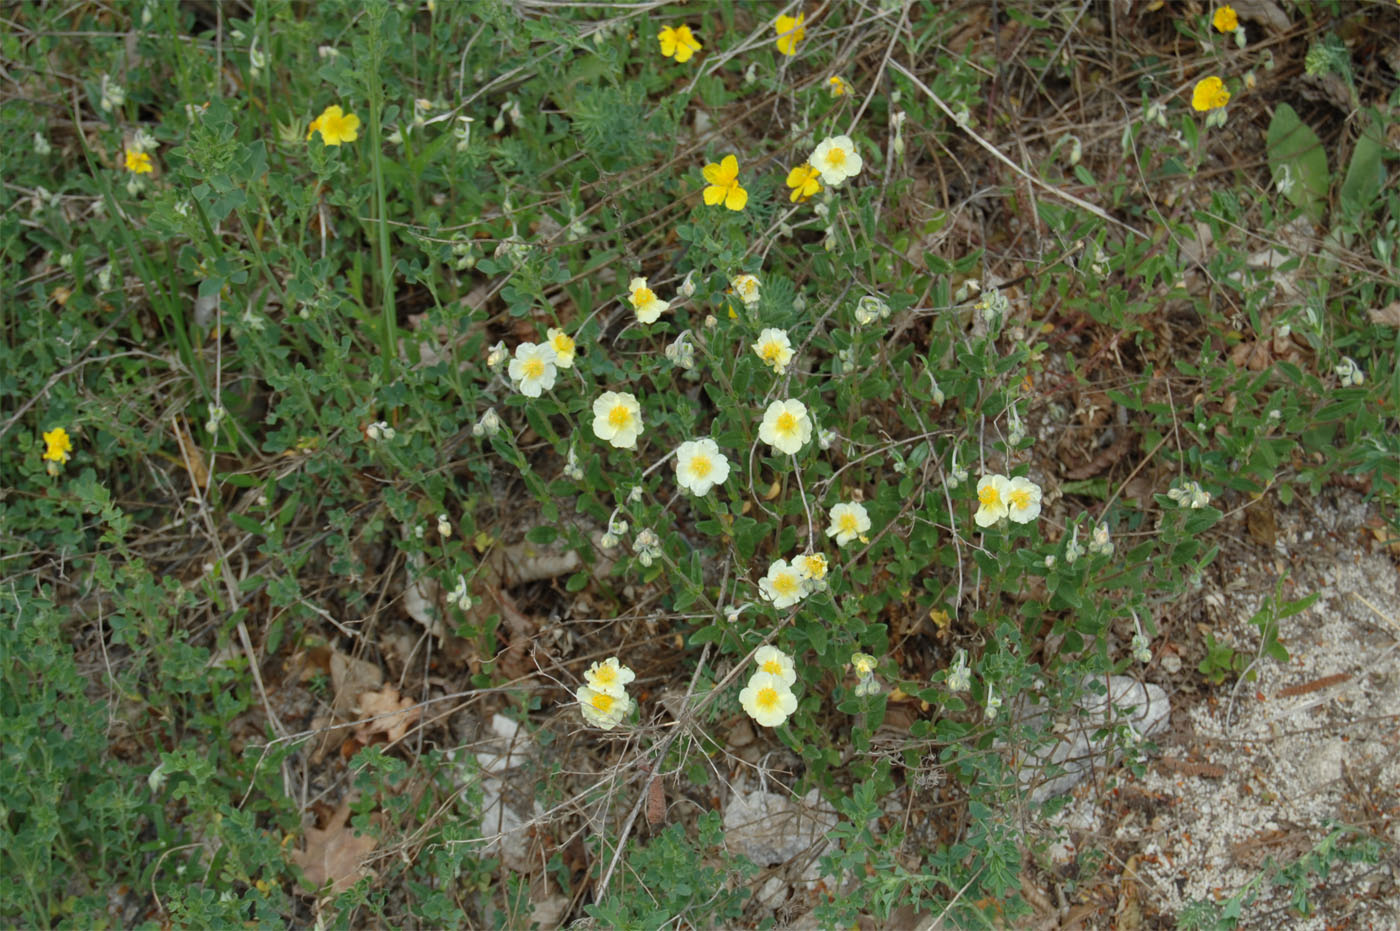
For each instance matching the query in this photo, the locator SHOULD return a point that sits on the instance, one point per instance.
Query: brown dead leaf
(1253, 355)
(1259, 521)
(1383, 535)
(334, 854)
(391, 714)
(1389, 315)
(351, 678)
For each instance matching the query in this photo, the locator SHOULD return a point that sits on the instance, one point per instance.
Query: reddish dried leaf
(333, 854)
(390, 714)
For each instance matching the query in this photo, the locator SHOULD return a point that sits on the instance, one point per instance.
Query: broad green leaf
(1365, 175)
(1297, 162)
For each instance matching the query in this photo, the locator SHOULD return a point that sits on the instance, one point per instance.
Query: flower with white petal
(747, 287)
(1022, 500)
(783, 586)
(992, 492)
(617, 418)
(777, 664)
(444, 526)
(849, 521)
(601, 709)
(533, 369)
(786, 426)
(700, 466)
(813, 568)
(563, 345)
(767, 700)
(774, 348)
(837, 159)
(609, 677)
(644, 301)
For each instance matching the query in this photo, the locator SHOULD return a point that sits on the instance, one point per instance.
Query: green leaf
(1365, 175)
(542, 534)
(1296, 154)
(710, 634)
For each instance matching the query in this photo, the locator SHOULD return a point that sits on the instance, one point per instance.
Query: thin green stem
(389, 324)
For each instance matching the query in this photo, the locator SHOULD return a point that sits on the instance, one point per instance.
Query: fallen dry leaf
(1389, 315)
(391, 714)
(333, 854)
(351, 678)
(1259, 521)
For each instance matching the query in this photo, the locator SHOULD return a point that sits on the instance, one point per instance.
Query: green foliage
(675, 878)
(1343, 844)
(1298, 162)
(276, 358)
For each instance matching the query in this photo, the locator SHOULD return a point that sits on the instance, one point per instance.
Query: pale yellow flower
(777, 664)
(1022, 500)
(617, 418)
(774, 348)
(700, 466)
(563, 345)
(992, 494)
(648, 306)
(849, 521)
(609, 677)
(601, 709)
(767, 700)
(783, 585)
(786, 426)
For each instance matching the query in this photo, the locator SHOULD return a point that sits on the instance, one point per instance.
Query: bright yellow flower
(724, 184)
(138, 162)
(1209, 94)
(1225, 19)
(335, 126)
(60, 447)
(804, 183)
(839, 88)
(790, 32)
(678, 43)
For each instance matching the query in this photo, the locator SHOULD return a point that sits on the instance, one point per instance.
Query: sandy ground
(1255, 774)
